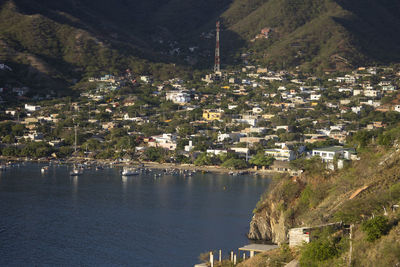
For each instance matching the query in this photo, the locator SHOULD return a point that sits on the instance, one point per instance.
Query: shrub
(317, 251)
(204, 160)
(395, 191)
(376, 227)
(235, 164)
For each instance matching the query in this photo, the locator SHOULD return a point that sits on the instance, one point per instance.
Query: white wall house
(315, 97)
(32, 108)
(166, 141)
(328, 154)
(235, 137)
(282, 154)
(178, 97)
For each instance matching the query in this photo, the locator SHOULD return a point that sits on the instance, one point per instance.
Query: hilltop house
(328, 154)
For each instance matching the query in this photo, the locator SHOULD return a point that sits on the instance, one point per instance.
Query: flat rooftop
(258, 247)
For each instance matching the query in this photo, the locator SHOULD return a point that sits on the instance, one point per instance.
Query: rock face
(269, 223)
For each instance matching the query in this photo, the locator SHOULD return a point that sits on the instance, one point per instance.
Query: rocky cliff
(273, 215)
(269, 224)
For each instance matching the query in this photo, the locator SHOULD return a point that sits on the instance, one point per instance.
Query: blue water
(102, 219)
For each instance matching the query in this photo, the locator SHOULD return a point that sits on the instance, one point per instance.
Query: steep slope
(324, 33)
(364, 189)
(56, 42)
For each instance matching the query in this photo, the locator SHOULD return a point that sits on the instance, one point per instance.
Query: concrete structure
(253, 248)
(298, 236)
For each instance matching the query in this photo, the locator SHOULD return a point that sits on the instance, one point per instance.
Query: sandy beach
(150, 165)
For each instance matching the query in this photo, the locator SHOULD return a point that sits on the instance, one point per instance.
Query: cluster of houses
(257, 122)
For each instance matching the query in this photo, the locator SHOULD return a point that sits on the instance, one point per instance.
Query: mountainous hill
(326, 33)
(364, 189)
(52, 43)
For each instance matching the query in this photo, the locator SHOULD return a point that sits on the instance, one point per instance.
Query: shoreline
(150, 165)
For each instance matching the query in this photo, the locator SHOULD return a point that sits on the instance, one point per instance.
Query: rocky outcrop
(269, 224)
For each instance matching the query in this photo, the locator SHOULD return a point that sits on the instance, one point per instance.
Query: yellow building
(212, 114)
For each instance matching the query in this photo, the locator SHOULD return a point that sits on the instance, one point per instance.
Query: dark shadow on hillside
(131, 24)
(375, 26)
(26, 75)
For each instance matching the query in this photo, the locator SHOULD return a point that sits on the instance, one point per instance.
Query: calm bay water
(102, 219)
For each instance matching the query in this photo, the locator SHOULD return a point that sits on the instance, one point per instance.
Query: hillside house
(31, 108)
(166, 141)
(178, 97)
(328, 154)
(212, 114)
(281, 154)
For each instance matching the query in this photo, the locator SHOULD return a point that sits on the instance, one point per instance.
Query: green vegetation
(363, 193)
(261, 160)
(64, 42)
(375, 227)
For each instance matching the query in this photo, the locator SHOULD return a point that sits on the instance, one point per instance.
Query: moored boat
(130, 172)
(76, 171)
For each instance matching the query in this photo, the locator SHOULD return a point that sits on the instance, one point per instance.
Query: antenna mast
(217, 66)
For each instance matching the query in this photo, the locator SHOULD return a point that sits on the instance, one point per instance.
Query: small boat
(130, 172)
(44, 169)
(98, 168)
(3, 167)
(76, 171)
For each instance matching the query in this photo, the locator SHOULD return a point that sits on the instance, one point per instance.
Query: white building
(315, 97)
(257, 110)
(282, 154)
(178, 97)
(235, 137)
(357, 110)
(166, 141)
(328, 154)
(32, 108)
(372, 93)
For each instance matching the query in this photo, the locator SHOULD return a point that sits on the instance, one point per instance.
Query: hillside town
(238, 119)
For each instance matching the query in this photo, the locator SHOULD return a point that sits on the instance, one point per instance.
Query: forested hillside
(53, 43)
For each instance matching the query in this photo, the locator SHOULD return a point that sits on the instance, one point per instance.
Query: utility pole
(217, 66)
(76, 138)
(351, 244)
(247, 151)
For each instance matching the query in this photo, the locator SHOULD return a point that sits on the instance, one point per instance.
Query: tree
(261, 160)
(233, 163)
(154, 154)
(18, 129)
(203, 159)
(317, 251)
(8, 139)
(376, 227)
